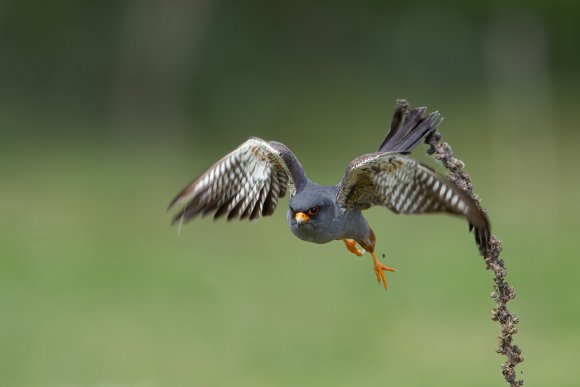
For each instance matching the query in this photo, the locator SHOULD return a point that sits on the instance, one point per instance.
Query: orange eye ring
(313, 211)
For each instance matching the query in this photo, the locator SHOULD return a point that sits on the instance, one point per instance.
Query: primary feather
(405, 186)
(246, 183)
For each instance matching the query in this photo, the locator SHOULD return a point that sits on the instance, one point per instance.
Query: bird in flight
(249, 181)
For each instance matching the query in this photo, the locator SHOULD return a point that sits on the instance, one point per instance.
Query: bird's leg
(350, 246)
(369, 245)
(379, 270)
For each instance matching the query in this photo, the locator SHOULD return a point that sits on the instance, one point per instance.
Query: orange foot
(350, 245)
(379, 268)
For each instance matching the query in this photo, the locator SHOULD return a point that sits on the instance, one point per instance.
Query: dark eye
(313, 211)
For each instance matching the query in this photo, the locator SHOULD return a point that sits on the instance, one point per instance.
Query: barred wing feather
(246, 183)
(406, 187)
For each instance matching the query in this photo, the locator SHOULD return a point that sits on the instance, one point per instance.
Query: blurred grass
(96, 289)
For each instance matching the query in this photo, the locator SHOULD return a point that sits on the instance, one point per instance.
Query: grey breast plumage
(246, 183)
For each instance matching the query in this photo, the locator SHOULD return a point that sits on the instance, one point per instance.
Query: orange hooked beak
(301, 218)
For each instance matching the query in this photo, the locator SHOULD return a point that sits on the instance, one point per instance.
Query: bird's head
(311, 214)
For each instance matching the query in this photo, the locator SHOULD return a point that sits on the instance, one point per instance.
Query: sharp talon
(380, 269)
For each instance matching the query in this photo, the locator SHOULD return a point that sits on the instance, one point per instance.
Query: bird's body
(248, 182)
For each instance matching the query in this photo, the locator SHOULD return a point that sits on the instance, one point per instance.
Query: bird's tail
(409, 127)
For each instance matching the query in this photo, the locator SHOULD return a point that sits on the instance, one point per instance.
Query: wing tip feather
(481, 227)
(214, 190)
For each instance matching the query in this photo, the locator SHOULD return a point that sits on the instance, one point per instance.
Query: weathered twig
(503, 291)
(489, 251)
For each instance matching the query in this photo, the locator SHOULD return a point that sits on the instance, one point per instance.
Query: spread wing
(246, 183)
(406, 187)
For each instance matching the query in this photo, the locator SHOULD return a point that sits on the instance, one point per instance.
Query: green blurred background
(108, 108)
